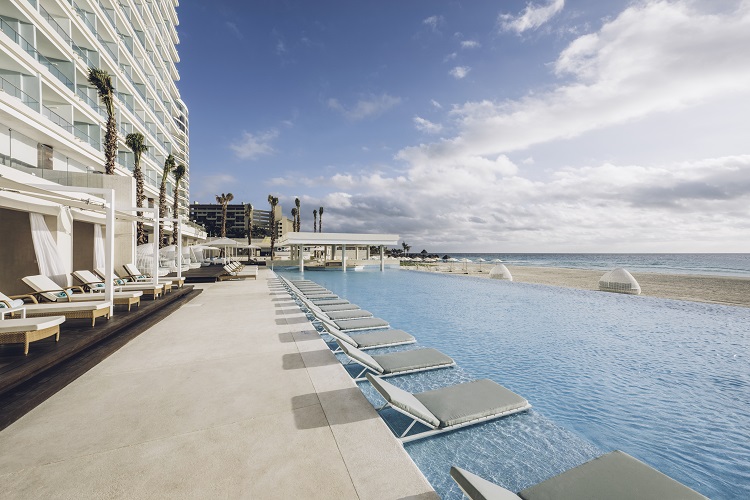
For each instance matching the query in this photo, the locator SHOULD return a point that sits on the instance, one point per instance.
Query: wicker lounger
(27, 330)
(71, 310)
(614, 476)
(397, 363)
(45, 288)
(371, 340)
(451, 407)
(93, 282)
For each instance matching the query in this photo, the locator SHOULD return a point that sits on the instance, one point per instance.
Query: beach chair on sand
(370, 340)
(46, 289)
(614, 476)
(27, 330)
(450, 408)
(71, 310)
(396, 363)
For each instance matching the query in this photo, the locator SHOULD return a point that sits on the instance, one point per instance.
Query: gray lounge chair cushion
(477, 488)
(469, 401)
(351, 314)
(329, 302)
(338, 307)
(361, 324)
(321, 296)
(360, 357)
(403, 400)
(416, 359)
(381, 338)
(614, 476)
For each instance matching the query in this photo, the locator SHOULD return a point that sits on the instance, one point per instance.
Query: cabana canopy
(619, 281)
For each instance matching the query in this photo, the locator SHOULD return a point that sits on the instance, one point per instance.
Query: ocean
(720, 264)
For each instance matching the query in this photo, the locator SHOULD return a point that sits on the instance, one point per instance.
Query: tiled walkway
(232, 396)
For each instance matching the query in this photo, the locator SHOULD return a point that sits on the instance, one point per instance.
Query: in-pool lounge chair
(27, 330)
(396, 363)
(337, 315)
(370, 340)
(45, 288)
(614, 476)
(450, 408)
(352, 325)
(93, 283)
(71, 310)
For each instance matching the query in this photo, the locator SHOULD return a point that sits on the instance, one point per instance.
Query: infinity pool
(666, 381)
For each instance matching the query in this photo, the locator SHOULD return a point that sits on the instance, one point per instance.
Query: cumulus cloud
(364, 108)
(460, 72)
(470, 44)
(532, 17)
(424, 125)
(252, 146)
(653, 59)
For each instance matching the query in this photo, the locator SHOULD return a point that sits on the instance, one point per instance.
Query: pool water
(666, 381)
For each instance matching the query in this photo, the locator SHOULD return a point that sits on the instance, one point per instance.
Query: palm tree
(179, 172)
(315, 220)
(294, 219)
(224, 200)
(169, 164)
(136, 144)
(273, 201)
(406, 247)
(298, 227)
(320, 224)
(249, 218)
(102, 81)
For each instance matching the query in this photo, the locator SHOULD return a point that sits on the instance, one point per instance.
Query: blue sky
(556, 125)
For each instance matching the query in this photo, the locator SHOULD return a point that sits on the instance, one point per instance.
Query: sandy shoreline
(700, 288)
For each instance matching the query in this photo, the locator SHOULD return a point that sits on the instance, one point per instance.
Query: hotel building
(52, 123)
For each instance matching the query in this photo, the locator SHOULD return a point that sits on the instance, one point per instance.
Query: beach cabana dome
(619, 281)
(500, 272)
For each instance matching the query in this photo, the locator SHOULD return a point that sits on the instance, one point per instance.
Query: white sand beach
(726, 290)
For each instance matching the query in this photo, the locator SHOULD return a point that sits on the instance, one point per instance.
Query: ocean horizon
(718, 264)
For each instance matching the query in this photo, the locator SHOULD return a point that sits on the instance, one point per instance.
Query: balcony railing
(55, 25)
(57, 119)
(11, 89)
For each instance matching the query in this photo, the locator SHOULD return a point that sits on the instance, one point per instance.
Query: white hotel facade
(52, 124)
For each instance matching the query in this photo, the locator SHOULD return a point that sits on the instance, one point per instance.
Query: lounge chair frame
(27, 335)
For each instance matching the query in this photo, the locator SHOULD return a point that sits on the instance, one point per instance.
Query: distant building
(209, 215)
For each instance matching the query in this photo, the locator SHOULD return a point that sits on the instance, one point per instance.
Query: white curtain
(47, 257)
(98, 247)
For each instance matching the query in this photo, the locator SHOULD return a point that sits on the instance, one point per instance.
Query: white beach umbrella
(452, 260)
(480, 260)
(466, 263)
(496, 261)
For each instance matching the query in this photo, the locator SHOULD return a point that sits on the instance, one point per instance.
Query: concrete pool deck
(234, 395)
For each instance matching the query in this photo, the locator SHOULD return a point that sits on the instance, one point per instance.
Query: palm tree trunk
(110, 145)
(139, 199)
(162, 208)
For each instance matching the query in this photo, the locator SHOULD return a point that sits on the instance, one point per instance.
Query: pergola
(302, 239)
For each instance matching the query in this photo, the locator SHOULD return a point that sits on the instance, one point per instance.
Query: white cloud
(450, 57)
(433, 22)
(532, 17)
(436, 104)
(424, 125)
(470, 44)
(655, 59)
(364, 108)
(252, 146)
(232, 27)
(460, 72)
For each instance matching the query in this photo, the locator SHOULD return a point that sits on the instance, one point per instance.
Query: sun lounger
(27, 330)
(95, 284)
(329, 302)
(47, 289)
(614, 476)
(132, 273)
(397, 363)
(355, 325)
(71, 310)
(351, 314)
(450, 408)
(370, 340)
(338, 307)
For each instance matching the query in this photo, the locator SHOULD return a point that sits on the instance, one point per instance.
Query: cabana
(344, 240)
(619, 281)
(500, 272)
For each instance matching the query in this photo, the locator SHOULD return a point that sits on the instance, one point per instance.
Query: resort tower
(52, 122)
